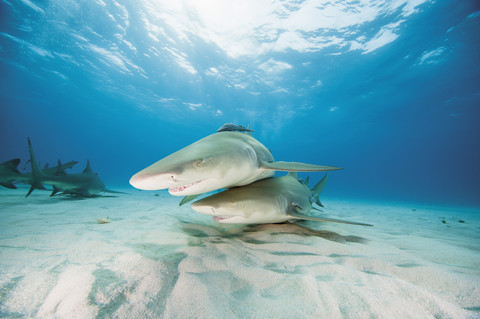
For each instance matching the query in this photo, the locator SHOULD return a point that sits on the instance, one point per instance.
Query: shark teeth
(220, 218)
(181, 188)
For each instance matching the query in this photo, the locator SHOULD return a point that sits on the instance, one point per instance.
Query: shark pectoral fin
(297, 167)
(318, 210)
(8, 185)
(321, 219)
(187, 199)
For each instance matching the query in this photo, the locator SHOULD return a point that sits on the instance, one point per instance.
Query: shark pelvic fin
(55, 190)
(296, 167)
(322, 219)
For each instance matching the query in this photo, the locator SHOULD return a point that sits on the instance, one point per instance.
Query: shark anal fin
(322, 219)
(297, 167)
(187, 199)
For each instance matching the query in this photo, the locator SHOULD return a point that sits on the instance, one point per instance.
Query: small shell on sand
(104, 220)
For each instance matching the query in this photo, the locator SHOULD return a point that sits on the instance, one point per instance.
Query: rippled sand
(156, 259)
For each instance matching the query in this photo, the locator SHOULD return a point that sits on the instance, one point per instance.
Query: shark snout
(149, 181)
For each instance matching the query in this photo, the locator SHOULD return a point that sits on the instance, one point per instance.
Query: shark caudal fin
(317, 189)
(297, 167)
(36, 172)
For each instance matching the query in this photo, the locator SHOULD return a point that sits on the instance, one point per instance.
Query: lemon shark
(271, 200)
(9, 173)
(85, 184)
(224, 159)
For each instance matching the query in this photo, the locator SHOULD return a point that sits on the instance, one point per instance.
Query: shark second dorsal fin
(295, 215)
(296, 167)
(60, 169)
(88, 169)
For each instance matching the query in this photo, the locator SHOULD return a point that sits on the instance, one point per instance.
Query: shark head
(198, 168)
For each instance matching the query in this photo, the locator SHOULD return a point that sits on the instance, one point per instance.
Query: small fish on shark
(271, 200)
(221, 160)
(234, 127)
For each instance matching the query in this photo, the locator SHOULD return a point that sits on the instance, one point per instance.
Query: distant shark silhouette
(271, 200)
(222, 160)
(85, 184)
(9, 173)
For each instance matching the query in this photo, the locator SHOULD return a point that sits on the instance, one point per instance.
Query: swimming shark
(271, 200)
(9, 173)
(221, 160)
(85, 184)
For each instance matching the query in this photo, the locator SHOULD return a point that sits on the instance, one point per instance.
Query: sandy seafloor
(158, 260)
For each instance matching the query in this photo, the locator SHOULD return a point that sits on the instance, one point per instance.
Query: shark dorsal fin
(60, 170)
(307, 180)
(88, 169)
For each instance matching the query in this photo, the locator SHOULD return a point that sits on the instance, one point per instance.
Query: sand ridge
(158, 260)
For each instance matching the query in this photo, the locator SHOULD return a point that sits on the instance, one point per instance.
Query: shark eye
(199, 163)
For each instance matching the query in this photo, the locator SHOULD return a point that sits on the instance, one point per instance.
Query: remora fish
(85, 184)
(272, 200)
(221, 160)
(234, 127)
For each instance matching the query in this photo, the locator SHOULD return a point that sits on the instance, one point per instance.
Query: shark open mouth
(181, 188)
(220, 218)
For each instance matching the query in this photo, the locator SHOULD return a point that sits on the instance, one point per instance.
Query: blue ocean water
(388, 90)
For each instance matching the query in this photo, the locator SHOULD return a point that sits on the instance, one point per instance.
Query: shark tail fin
(36, 172)
(317, 189)
(88, 169)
